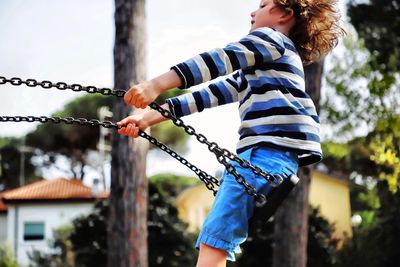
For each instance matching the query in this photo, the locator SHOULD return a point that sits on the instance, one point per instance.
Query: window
(33, 231)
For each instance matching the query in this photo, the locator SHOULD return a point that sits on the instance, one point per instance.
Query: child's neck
(284, 29)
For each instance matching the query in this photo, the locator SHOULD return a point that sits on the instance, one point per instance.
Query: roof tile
(60, 189)
(3, 207)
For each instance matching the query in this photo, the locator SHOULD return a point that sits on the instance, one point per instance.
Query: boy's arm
(260, 46)
(219, 93)
(142, 94)
(257, 48)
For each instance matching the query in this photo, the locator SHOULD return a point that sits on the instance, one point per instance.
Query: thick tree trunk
(127, 236)
(291, 219)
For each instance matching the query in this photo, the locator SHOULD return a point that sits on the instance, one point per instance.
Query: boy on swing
(279, 128)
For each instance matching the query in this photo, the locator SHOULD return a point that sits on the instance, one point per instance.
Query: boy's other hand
(131, 125)
(141, 95)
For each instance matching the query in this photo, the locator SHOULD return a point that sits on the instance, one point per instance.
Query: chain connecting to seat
(222, 155)
(209, 181)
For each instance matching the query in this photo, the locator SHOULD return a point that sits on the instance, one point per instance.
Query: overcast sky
(72, 41)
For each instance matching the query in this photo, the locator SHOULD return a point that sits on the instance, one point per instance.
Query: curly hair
(317, 28)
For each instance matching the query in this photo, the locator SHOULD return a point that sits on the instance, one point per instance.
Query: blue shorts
(226, 226)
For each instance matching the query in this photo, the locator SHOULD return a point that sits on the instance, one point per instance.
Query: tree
(74, 142)
(71, 141)
(378, 23)
(127, 235)
(10, 163)
(89, 237)
(169, 243)
(365, 82)
(375, 245)
(291, 221)
(321, 246)
(363, 98)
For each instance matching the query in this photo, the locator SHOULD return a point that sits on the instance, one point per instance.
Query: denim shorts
(226, 226)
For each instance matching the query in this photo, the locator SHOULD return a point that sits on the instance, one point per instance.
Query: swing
(266, 205)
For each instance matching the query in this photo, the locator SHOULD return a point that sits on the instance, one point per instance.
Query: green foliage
(10, 163)
(6, 257)
(39, 259)
(169, 243)
(66, 139)
(167, 132)
(257, 250)
(385, 144)
(376, 155)
(89, 237)
(376, 245)
(62, 255)
(352, 157)
(378, 23)
(72, 141)
(367, 98)
(361, 94)
(168, 94)
(170, 185)
(321, 248)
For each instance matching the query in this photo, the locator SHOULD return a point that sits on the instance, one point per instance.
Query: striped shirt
(264, 73)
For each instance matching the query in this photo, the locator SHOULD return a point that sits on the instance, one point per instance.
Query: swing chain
(220, 153)
(209, 181)
(62, 86)
(274, 180)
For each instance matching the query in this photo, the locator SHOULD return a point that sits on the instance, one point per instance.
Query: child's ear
(288, 14)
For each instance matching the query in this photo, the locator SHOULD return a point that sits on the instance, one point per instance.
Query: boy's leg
(211, 257)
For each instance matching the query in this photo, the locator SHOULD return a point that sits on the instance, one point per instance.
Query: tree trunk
(291, 219)
(127, 233)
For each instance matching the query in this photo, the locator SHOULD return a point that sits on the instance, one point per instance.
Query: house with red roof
(29, 214)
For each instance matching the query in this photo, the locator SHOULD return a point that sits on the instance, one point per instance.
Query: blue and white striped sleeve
(257, 48)
(219, 93)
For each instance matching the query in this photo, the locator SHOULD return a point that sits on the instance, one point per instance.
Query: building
(3, 220)
(29, 214)
(330, 194)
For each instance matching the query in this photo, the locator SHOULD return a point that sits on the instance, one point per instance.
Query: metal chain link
(221, 154)
(274, 180)
(209, 181)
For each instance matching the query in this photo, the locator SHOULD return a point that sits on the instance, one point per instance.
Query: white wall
(53, 216)
(3, 227)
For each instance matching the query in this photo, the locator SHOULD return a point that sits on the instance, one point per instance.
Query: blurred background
(55, 179)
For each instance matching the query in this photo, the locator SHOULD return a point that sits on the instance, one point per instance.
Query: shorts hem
(218, 243)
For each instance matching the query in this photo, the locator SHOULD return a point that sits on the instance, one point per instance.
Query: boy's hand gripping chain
(209, 181)
(221, 154)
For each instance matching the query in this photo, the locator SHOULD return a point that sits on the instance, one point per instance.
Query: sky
(72, 41)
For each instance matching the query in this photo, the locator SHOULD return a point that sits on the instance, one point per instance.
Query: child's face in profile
(266, 15)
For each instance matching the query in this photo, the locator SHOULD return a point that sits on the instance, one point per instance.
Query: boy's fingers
(129, 127)
(122, 131)
(136, 132)
(126, 121)
(132, 130)
(127, 97)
